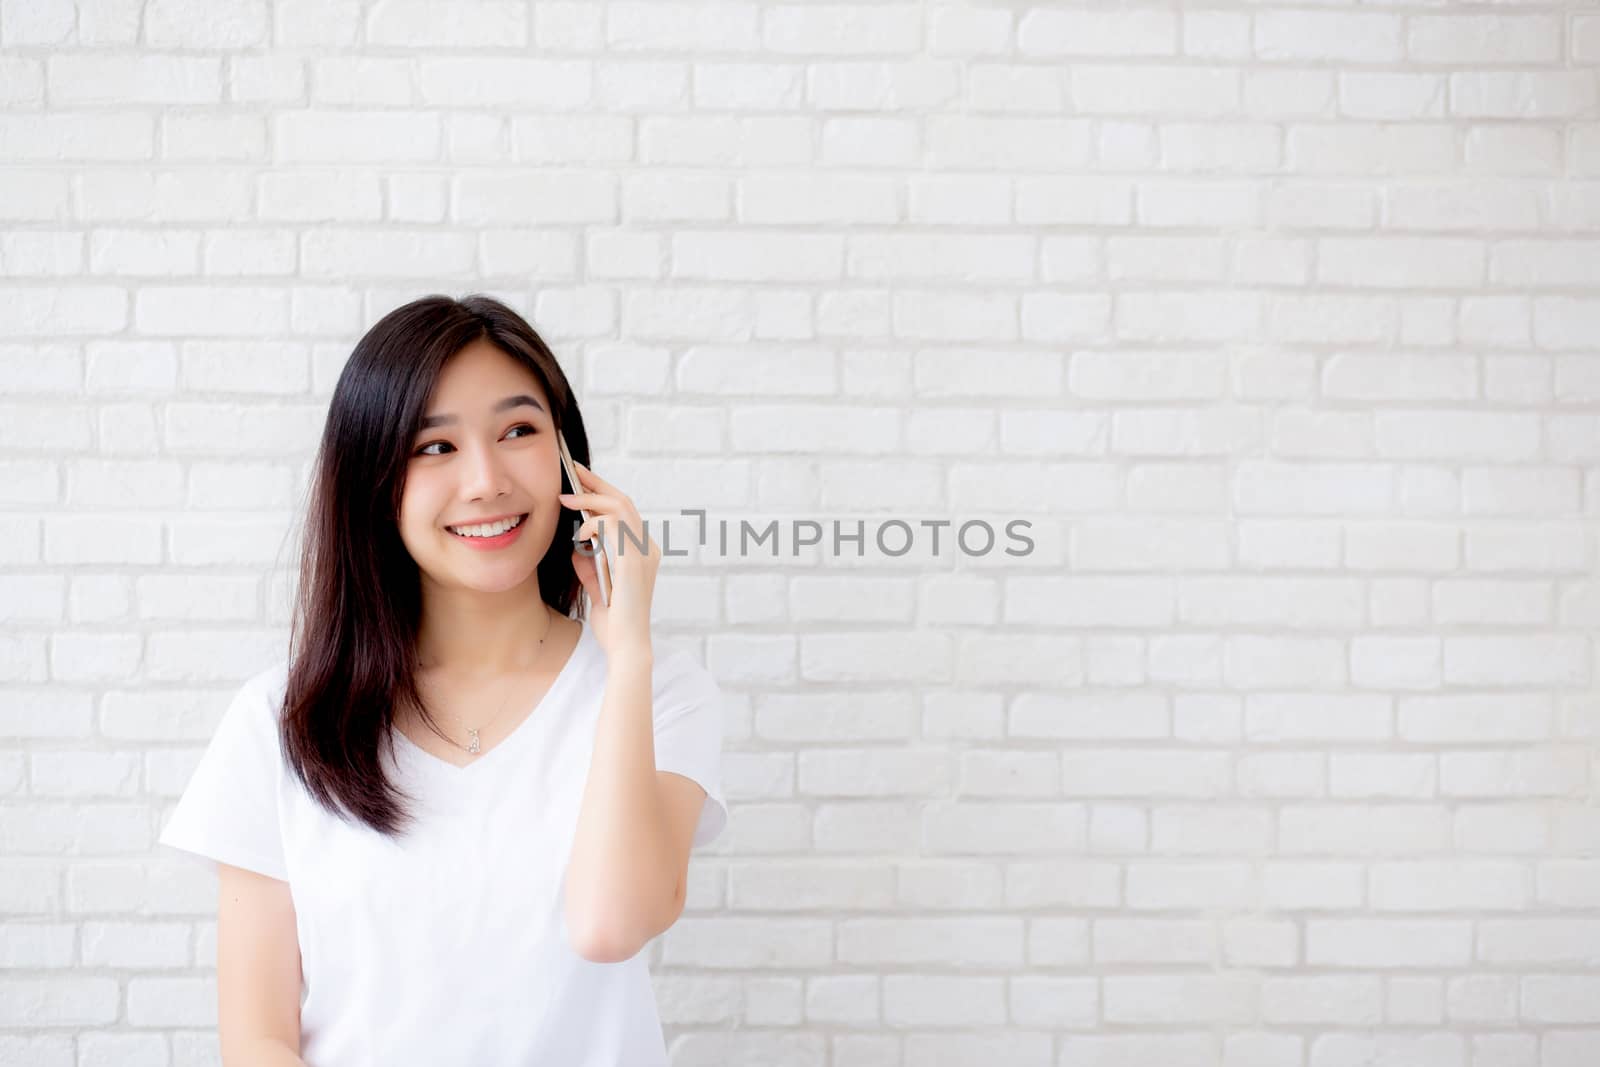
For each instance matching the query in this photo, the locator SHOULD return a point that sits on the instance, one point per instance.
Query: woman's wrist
(630, 653)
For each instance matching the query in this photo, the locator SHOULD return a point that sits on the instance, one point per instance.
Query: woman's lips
(497, 541)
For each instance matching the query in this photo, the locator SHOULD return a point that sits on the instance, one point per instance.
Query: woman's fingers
(591, 528)
(590, 478)
(593, 501)
(601, 494)
(619, 507)
(600, 506)
(606, 501)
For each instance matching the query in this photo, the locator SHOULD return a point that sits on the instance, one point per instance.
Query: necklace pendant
(473, 746)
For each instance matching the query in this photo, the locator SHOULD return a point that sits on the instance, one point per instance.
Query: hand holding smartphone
(602, 568)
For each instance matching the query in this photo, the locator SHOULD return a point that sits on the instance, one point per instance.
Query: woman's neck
(477, 634)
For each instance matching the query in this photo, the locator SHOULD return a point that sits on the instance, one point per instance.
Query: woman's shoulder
(263, 691)
(274, 675)
(678, 667)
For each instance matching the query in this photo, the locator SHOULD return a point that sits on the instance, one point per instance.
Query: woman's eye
(423, 451)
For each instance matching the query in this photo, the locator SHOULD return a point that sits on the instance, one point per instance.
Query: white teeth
(490, 529)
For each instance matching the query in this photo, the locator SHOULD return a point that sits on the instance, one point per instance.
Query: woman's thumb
(584, 565)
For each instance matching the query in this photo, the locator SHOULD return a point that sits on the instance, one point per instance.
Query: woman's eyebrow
(520, 400)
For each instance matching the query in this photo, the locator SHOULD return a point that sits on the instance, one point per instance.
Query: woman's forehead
(478, 379)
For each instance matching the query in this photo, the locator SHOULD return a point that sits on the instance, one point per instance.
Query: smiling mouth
(488, 529)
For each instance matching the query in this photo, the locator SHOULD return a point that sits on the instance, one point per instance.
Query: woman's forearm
(263, 1052)
(619, 875)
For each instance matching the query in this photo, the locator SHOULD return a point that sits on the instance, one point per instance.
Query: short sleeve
(229, 810)
(687, 713)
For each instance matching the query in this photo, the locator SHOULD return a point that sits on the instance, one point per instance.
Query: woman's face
(482, 456)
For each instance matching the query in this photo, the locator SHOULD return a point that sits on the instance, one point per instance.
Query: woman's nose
(485, 475)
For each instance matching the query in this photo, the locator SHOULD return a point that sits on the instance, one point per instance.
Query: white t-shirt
(450, 944)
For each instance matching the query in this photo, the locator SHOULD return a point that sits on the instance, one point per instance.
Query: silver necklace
(474, 745)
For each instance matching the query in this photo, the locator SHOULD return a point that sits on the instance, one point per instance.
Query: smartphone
(602, 568)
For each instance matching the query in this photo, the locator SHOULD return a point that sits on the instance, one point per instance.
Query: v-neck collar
(561, 680)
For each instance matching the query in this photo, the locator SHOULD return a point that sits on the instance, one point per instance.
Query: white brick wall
(1280, 322)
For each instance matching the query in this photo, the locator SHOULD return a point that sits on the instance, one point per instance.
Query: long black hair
(358, 605)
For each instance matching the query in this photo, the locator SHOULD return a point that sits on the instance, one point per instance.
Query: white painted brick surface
(1280, 323)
